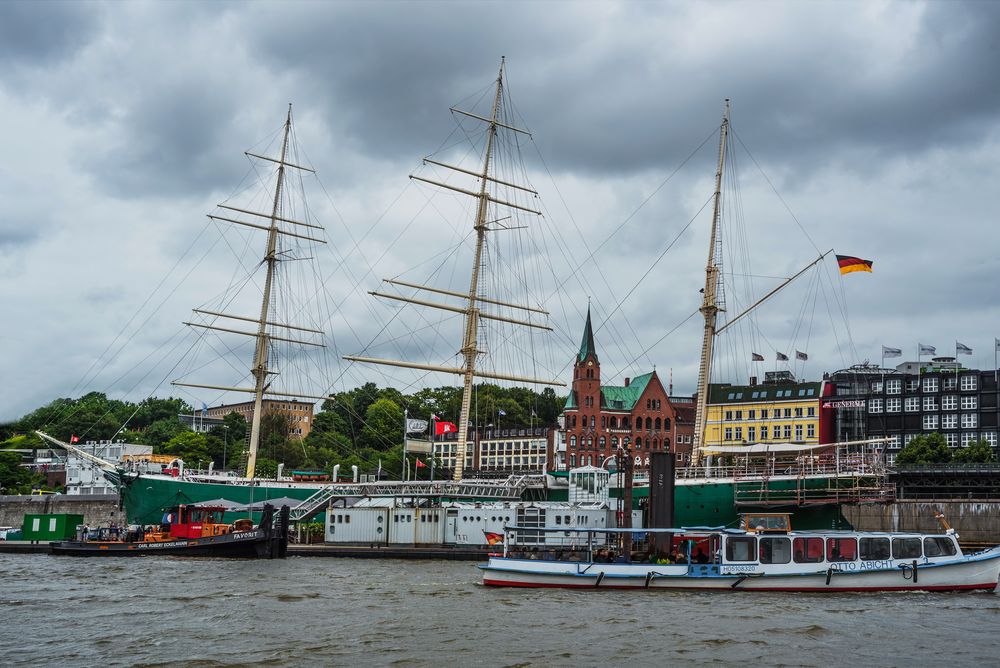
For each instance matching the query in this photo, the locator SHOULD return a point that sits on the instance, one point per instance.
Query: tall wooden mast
(259, 369)
(471, 308)
(709, 306)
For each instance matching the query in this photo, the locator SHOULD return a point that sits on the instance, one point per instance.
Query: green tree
(383, 425)
(14, 478)
(977, 452)
(159, 433)
(925, 449)
(190, 446)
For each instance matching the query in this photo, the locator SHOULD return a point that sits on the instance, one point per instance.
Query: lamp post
(225, 444)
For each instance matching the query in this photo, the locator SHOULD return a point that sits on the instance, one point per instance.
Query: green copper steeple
(587, 345)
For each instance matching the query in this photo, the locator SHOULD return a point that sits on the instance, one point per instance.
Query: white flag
(962, 349)
(801, 355)
(416, 426)
(924, 349)
(891, 352)
(998, 344)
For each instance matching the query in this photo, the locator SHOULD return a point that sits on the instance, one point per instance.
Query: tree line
(360, 427)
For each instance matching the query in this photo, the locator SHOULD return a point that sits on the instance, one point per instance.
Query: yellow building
(784, 412)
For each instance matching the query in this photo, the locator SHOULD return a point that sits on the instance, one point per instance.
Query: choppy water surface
(168, 611)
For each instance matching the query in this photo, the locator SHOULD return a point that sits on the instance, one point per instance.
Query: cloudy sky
(870, 128)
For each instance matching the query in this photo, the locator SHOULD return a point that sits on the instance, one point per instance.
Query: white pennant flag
(416, 426)
(891, 352)
(924, 349)
(962, 349)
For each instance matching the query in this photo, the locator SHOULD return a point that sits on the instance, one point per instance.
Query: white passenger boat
(765, 555)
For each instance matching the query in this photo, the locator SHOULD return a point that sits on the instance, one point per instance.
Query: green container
(50, 527)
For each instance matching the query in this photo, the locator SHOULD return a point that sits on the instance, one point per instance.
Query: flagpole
(433, 435)
(406, 424)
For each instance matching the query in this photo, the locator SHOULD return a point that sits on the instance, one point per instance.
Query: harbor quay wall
(97, 509)
(977, 522)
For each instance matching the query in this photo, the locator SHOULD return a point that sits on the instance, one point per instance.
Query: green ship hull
(706, 503)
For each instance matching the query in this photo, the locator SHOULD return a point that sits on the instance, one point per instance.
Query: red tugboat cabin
(196, 521)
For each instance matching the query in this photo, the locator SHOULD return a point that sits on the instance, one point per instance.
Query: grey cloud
(39, 34)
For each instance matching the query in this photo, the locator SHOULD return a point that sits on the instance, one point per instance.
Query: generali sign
(847, 403)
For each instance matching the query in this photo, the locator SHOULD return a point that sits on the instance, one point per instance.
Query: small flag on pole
(799, 355)
(204, 408)
(782, 357)
(444, 428)
(74, 439)
(891, 352)
(416, 426)
(420, 464)
(997, 344)
(924, 349)
(493, 538)
(849, 263)
(962, 349)
(756, 357)
(502, 412)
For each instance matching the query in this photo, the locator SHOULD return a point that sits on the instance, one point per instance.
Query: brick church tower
(599, 419)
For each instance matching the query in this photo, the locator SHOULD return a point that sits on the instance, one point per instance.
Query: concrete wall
(977, 523)
(97, 509)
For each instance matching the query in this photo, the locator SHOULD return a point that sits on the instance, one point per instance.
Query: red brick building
(637, 416)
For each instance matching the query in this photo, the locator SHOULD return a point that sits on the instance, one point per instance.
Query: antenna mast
(709, 307)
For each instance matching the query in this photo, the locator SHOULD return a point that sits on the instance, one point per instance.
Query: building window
(893, 405)
(893, 386)
(811, 411)
(949, 383)
(739, 434)
(763, 432)
(649, 424)
(729, 415)
(592, 421)
(572, 441)
(931, 384)
(751, 434)
(874, 405)
(604, 422)
(656, 424)
(990, 437)
(798, 412)
(930, 422)
(572, 461)
(788, 412)
(666, 424)
(763, 413)
(908, 437)
(810, 431)
(949, 402)
(602, 442)
(970, 403)
(739, 415)
(930, 403)
(788, 432)
(751, 414)
(970, 421)
(969, 382)
(912, 384)
(951, 440)
(876, 387)
(729, 433)
(798, 432)
(949, 421)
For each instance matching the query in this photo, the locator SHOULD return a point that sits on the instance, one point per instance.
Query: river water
(331, 612)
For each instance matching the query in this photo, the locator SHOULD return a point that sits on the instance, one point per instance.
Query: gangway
(509, 489)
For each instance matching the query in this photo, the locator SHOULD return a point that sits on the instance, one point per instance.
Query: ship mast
(470, 309)
(709, 306)
(260, 371)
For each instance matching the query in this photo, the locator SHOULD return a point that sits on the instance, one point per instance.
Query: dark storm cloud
(605, 102)
(37, 34)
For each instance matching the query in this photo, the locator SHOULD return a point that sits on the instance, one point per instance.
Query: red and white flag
(74, 439)
(420, 464)
(444, 428)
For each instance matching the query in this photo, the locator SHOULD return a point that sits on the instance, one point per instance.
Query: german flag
(849, 263)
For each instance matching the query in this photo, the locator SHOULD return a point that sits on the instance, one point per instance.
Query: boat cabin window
(905, 548)
(808, 550)
(874, 549)
(741, 549)
(775, 550)
(939, 546)
(841, 549)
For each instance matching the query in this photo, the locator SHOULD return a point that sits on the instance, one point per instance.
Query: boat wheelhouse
(764, 555)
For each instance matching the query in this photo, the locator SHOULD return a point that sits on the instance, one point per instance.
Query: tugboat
(196, 531)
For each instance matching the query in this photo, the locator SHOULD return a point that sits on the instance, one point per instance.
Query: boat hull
(243, 544)
(975, 572)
